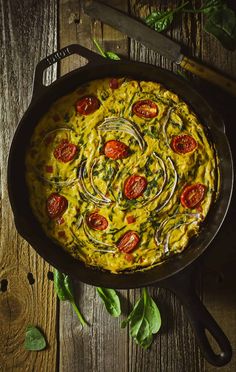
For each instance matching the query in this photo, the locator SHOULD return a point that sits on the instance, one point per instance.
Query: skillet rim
(96, 276)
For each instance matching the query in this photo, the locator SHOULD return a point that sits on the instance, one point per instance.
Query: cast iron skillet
(168, 273)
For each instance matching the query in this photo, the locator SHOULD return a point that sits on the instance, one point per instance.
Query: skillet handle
(91, 57)
(182, 285)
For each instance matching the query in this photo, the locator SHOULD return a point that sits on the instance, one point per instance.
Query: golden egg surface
(121, 173)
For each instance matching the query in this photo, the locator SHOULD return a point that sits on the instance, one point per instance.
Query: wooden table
(30, 30)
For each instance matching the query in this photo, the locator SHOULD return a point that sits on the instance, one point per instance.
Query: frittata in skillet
(121, 174)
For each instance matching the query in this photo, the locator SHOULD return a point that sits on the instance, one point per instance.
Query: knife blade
(134, 29)
(155, 41)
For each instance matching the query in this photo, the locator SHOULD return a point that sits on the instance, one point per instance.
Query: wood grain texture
(28, 33)
(102, 346)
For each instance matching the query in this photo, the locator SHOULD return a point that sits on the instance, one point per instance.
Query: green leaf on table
(210, 6)
(109, 54)
(34, 339)
(112, 55)
(222, 24)
(64, 288)
(111, 300)
(161, 20)
(220, 20)
(144, 319)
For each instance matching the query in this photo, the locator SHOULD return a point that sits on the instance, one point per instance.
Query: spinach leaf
(220, 20)
(208, 7)
(161, 20)
(145, 320)
(109, 54)
(112, 55)
(64, 289)
(111, 300)
(34, 339)
(222, 24)
(211, 5)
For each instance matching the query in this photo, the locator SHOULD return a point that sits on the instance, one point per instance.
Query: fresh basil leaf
(112, 55)
(145, 320)
(34, 339)
(222, 24)
(64, 289)
(111, 300)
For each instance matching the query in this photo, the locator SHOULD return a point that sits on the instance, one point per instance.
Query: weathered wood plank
(218, 279)
(102, 346)
(219, 286)
(175, 345)
(28, 33)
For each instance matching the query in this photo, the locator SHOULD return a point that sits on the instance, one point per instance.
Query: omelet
(121, 173)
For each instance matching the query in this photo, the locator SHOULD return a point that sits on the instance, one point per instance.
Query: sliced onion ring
(123, 125)
(87, 194)
(173, 188)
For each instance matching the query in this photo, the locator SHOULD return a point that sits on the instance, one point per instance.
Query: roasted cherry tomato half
(114, 83)
(130, 219)
(134, 186)
(97, 222)
(116, 150)
(65, 151)
(183, 144)
(129, 257)
(128, 242)
(145, 109)
(56, 205)
(87, 105)
(192, 195)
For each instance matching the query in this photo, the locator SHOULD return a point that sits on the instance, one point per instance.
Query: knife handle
(209, 74)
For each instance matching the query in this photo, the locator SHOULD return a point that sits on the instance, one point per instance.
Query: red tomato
(113, 83)
(130, 219)
(56, 205)
(65, 151)
(87, 105)
(128, 242)
(116, 150)
(97, 221)
(129, 257)
(145, 109)
(183, 144)
(134, 186)
(192, 195)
